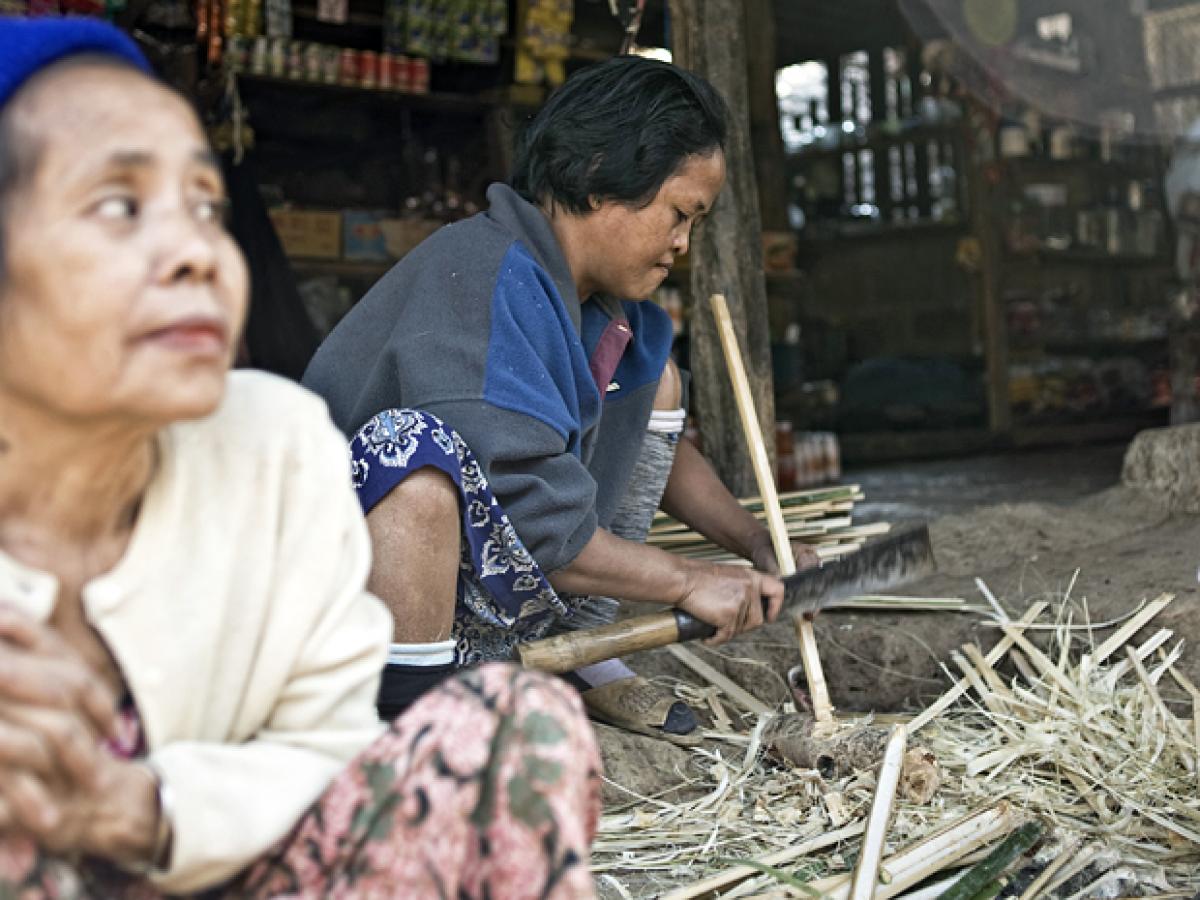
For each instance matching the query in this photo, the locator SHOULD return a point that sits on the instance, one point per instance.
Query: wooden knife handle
(565, 652)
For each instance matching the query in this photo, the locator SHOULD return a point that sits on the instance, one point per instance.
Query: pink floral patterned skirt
(489, 787)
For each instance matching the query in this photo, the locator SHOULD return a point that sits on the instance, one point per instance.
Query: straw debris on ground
(1073, 725)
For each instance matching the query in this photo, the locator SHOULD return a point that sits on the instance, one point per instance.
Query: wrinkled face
(631, 250)
(123, 294)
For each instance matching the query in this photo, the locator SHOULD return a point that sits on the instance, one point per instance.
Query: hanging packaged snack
(544, 42)
(333, 11)
(348, 72)
(368, 69)
(401, 73)
(278, 18)
(395, 14)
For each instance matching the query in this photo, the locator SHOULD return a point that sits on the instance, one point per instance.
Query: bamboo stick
(919, 860)
(943, 703)
(759, 460)
(735, 692)
(866, 873)
(813, 673)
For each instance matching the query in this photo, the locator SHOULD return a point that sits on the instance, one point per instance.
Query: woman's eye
(212, 210)
(680, 216)
(117, 208)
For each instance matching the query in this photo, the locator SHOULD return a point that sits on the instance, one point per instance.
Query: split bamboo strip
(990, 700)
(994, 656)
(1090, 797)
(1077, 864)
(1196, 730)
(936, 889)
(738, 873)
(788, 501)
(735, 692)
(1118, 671)
(1156, 700)
(1064, 857)
(1041, 662)
(866, 873)
(1129, 629)
(1182, 680)
(901, 604)
(990, 675)
(837, 550)
(1022, 664)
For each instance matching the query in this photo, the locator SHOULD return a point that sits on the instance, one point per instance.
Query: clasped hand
(55, 774)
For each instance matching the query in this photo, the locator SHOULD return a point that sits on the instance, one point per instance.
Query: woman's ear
(593, 202)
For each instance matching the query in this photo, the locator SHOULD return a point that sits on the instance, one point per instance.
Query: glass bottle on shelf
(453, 193)
(433, 199)
(410, 204)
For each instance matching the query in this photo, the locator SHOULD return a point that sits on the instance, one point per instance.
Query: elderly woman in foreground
(188, 658)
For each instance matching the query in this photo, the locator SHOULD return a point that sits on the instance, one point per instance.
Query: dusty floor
(934, 488)
(1024, 523)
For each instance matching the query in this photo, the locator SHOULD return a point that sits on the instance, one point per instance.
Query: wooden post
(766, 139)
(726, 254)
(995, 326)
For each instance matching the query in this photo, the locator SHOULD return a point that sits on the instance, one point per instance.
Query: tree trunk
(726, 255)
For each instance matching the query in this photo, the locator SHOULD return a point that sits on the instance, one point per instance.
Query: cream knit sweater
(240, 621)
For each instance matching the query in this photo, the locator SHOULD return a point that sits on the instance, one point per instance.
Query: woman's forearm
(614, 567)
(697, 497)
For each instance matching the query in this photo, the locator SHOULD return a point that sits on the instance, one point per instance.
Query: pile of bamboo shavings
(1082, 739)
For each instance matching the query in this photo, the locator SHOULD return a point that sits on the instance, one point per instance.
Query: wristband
(160, 851)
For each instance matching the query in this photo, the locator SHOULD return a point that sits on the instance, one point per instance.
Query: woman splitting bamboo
(189, 657)
(510, 396)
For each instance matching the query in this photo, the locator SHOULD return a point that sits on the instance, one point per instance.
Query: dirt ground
(1054, 520)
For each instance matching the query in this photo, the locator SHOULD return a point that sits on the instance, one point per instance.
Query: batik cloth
(488, 787)
(503, 597)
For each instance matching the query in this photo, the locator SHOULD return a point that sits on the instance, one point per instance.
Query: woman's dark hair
(617, 131)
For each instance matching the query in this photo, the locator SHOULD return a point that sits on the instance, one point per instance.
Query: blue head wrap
(29, 45)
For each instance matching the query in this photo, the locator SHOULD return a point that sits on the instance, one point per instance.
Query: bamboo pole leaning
(822, 708)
